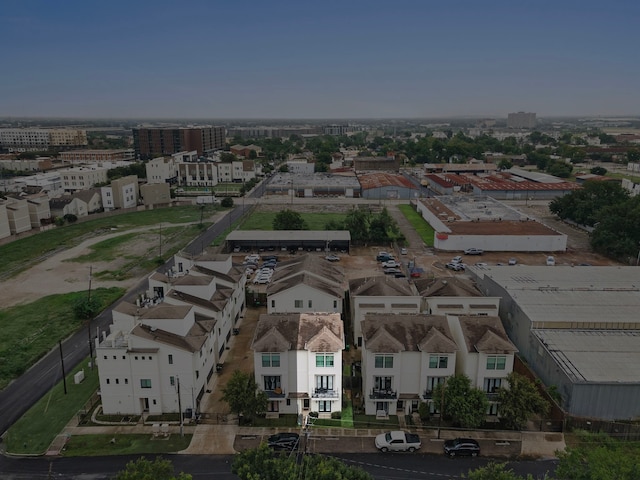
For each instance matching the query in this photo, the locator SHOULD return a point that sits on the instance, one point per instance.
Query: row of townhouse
(188, 169)
(160, 351)
(412, 337)
(21, 214)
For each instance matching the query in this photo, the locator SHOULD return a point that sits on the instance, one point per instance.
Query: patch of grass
(370, 421)
(36, 429)
(315, 221)
(21, 254)
(423, 229)
(222, 188)
(135, 444)
(282, 422)
(620, 176)
(107, 250)
(30, 331)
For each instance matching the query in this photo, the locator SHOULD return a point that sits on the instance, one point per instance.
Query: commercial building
(485, 223)
(94, 156)
(314, 185)
(376, 186)
(578, 328)
(521, 120)
(82, 178)
(151, 142)
(34, 139)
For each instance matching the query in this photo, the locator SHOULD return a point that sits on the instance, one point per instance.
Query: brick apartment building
(150, 142)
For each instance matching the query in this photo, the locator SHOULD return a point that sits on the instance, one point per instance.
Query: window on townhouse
(324, 360)
(383, 361)
(491, 385)
(108, 381)
(273, 304)
(271, 382)
(126, 381)
(197, 373)
(382, 383)
(496, 362)
(170, 359)
(335, 304)
(324, 382)
(310, 304)
(433, 382)
(438, 361)
(297, 303)
(305, 404)
(145, 383)
(324, 406)
(270, 359)
(117, 381)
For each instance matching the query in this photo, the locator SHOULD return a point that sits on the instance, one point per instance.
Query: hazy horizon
(333, 60)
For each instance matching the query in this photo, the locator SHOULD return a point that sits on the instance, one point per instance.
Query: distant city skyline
(329, 60)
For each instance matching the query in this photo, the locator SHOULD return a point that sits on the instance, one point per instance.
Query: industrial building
(578, 328)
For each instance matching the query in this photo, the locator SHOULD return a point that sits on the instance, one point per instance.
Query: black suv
(284, 441)
(461, 446)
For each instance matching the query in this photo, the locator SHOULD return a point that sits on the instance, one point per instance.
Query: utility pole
(64, 378)
(160, 239)
(180, 408)
(89, 321)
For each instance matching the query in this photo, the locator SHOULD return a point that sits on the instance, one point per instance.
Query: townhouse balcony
(492, 396)
(324, 393)
(378, 394)
(427, 395)
(276, 393)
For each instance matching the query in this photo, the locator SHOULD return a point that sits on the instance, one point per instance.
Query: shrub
(423, 411)
(336, 415)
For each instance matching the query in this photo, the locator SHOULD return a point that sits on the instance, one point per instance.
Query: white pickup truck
(398, 441)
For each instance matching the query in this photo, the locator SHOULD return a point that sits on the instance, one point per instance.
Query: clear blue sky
(318, 59)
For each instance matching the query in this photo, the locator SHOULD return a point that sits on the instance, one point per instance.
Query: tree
(244, 397)
(464, 405)
(227, 157)
(289, 220)
(86, 308)
(227, 202)
(505, 164)
(143, 469)
(261, 464)
(495, 471)
(583, 206)
(520, 401)
(357, 222)
(617, 230)
(599, 457)
(598, 171)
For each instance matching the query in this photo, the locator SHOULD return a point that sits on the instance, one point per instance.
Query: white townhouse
(486, 354)
(404, 357)
(298, 362)
(18, 215)
(162, 170)
(171, 340)
(380, 294)
(455, 296)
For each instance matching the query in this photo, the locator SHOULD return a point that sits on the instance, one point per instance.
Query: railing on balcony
(383, 394)
(427, 394)
(492, 396)
(276, 393)
(324, 393)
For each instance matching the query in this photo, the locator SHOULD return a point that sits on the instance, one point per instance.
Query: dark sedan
(461, 446)
(284, 441)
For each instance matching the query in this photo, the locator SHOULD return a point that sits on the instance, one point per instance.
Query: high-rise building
(521, 120)
(26, 139)
(150, 142)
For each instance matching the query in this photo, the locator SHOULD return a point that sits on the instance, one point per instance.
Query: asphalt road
(25, 391)
(391, 466)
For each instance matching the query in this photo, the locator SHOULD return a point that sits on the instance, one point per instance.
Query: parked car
(390, 264)
(457, 267)
(481, 264)
(551, 261)
(461, 446)
(457, 259)
(512, 261)
(392, 271)
(284, 441)
(398, 441)
(403, 251)
(332, 258)
(473, 251)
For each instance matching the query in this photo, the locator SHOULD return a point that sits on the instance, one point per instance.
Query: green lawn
(30, 331)
(315, 221)
(419, 224)
(21, 254)
(36, 429)
(620, 176)
(138, 444)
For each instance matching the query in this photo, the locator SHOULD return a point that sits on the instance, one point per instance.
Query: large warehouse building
(578, 328)
(463, 222)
